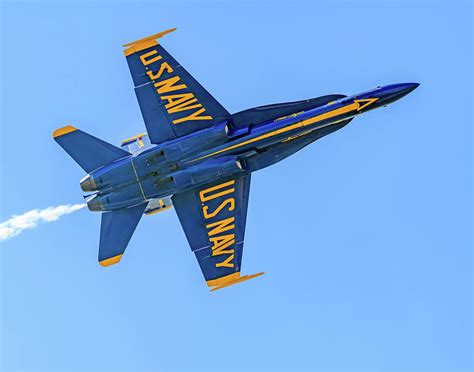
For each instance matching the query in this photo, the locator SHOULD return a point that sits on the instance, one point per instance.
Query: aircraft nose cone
(394, 92)
(400, 88)
(408, 88)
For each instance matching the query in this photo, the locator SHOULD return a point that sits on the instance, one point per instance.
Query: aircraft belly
(157, 179)
(131, 195)
(190, 176)
(119, 188)
(288, 145)
(273, 154)
(198, 157)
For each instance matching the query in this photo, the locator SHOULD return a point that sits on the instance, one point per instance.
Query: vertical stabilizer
(88, 151)
(116, 230)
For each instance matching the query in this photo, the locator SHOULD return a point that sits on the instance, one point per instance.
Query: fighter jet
(198, 158)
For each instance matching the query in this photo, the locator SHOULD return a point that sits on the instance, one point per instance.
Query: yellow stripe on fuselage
(301, 124)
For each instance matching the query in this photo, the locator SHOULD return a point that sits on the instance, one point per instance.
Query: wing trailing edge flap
(213, 218)
(116, 230)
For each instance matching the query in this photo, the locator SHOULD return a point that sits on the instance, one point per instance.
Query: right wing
(213, 217)
(172, 102)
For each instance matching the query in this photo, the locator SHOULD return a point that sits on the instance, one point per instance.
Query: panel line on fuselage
(138, 180)
(301, 124)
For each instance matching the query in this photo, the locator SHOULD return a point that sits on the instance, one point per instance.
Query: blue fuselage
(202, 157)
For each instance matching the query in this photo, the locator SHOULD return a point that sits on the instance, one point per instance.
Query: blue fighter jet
(198, 157)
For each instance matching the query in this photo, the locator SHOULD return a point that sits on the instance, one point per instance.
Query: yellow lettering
(164, 66)
(230, 201)
(176, 99)
(220, 243)
(167, 85)
(193, 116)
(184, 106)
(205, 198)
(221, 226)
(227, 262)
(146, 61)
(180, 102)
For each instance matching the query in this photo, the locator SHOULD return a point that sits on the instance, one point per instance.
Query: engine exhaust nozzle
(88, 183)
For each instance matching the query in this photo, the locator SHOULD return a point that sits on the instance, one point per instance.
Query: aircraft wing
(172, 102)
(213, 218)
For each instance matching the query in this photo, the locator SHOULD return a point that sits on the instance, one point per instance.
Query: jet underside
(152, 174)
(198, 157)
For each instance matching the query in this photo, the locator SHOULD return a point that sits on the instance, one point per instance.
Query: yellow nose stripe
(315, 119)
(365, 102)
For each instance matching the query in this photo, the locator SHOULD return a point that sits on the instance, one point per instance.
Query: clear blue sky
(365, 236)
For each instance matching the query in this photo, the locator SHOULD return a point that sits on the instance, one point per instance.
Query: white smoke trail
(16, 224)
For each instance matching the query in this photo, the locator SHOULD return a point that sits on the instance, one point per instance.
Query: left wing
(172, 102)
(213, 218)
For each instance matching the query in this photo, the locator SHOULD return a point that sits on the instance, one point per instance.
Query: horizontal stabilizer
(116, 230)
(88, 151)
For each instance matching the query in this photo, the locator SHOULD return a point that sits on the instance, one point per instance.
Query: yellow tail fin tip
(111, 261)
(64, 130)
